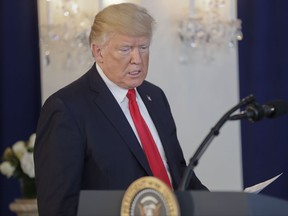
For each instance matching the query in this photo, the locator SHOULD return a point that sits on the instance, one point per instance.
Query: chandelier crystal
(66, 32)
(208, 28)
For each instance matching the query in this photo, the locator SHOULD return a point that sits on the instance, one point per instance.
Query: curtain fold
(263, 71)
(20, 95)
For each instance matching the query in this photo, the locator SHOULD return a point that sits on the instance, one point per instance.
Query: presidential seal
(149, 196)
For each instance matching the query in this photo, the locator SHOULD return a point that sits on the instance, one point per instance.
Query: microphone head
(276, 108)
(255, 112)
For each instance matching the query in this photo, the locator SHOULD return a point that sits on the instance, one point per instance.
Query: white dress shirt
(120, 96)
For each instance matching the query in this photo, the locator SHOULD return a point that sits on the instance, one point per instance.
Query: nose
(136, 57)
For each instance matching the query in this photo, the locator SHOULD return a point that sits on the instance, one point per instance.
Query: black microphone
(255, 112)
(207, 140)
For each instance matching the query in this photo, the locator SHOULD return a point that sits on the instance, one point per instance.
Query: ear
(97, 53)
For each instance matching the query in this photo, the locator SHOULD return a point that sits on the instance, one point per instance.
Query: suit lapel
(155, 112)
(111, 109)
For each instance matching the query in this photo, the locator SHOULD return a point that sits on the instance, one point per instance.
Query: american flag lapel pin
(148, 97)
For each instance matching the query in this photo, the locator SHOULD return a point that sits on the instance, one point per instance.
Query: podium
(191, 203)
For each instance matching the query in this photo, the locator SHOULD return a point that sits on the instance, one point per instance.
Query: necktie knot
(131, 94)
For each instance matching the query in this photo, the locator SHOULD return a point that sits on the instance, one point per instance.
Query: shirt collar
(118, 92)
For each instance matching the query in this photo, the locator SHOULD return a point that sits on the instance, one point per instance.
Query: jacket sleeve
(58, 157)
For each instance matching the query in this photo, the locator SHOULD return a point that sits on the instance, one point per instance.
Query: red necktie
(148, 143)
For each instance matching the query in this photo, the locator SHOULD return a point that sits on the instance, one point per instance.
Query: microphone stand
(208, 139)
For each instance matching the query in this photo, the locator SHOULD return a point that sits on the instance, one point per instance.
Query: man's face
(125, 59)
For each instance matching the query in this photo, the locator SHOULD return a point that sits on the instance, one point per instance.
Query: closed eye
(144, 48)
(125, 50)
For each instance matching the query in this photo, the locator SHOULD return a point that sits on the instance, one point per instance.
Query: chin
(135, 84)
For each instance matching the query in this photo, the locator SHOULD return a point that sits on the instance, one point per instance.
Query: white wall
(199, 92)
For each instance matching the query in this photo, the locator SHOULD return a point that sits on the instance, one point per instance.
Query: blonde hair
(124, 18)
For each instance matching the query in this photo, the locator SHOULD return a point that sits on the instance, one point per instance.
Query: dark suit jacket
(85, 142)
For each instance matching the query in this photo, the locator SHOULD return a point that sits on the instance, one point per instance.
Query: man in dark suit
(86, 137)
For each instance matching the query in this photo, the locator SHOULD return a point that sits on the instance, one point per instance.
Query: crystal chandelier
(209, 27)
(65, 32)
